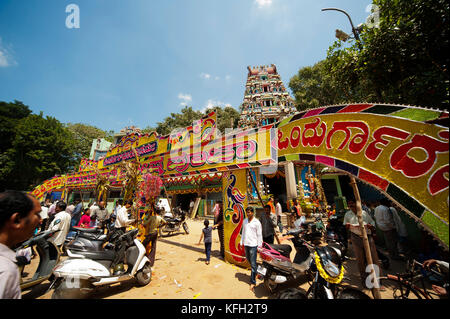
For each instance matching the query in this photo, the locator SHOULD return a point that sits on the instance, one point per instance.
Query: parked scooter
(88, 239)
(277, 268)
(84, 271)
(48, 257)
(174, 223)
(327, 270)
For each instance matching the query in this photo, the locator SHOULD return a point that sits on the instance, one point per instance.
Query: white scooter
(84, 271)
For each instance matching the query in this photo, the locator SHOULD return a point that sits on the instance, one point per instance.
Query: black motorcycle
(89, 239)
(336, 233)
(48, 258)
(174, 223)
(86, 239)
(327, 272)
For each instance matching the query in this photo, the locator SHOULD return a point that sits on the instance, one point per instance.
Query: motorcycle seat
(283, 249)
(97, 255)
(98, 237)
(307, 224)
(87, 230)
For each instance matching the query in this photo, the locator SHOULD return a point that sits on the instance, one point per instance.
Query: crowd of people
(379, 216)
(22, 216)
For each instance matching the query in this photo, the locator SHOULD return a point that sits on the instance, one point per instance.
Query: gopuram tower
(265, 99)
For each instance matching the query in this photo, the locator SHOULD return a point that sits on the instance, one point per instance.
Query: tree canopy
(34, 148)
(403, 59)
(82, 135)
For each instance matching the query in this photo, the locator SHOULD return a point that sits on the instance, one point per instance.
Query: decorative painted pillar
(234, 203)
(291, 186)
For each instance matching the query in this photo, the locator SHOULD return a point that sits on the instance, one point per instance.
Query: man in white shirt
(122, 220)
(51, 211)
(69, 209)
(44, 216)
(402, 232)
(19, 217)
(60, 223)
(191, 206)
(101, 214)
(385, 222)
(119, 205)
(278, 213)
(251, 239)
(351, 223)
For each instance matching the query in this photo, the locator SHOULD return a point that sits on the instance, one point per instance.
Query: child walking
(207, 235)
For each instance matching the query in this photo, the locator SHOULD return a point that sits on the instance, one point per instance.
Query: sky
(133, 62)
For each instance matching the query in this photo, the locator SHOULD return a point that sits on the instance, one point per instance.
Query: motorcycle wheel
(144, 276)
(270, 286)
(351, 293)
(64, 292)
(186, 228)
(164, 233)
(292, 293)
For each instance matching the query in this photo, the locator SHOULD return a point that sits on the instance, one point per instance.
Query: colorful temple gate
(400, 150)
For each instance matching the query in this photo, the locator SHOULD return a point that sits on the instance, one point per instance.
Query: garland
(324, 274)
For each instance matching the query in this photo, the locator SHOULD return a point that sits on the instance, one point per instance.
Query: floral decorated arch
(403, 151)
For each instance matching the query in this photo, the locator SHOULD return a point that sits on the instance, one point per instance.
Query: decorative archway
(401, 150)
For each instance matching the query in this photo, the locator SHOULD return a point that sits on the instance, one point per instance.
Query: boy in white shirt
(251, 239)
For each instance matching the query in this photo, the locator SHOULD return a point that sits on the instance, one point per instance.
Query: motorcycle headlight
(331, 268)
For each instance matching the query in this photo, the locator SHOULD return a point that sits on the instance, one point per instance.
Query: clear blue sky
(132, 62)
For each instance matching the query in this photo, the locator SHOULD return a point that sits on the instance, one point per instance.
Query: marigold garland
(325, 275)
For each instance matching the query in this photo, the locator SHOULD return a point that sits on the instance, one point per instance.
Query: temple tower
(266, 100)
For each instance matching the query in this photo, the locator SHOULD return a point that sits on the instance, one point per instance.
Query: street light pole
(355, 32)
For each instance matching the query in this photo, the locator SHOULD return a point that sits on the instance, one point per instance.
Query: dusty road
(180, 272)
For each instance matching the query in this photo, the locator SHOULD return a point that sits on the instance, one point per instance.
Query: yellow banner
(201, 132)
(54, 183)
(412, 155)
(236, 150)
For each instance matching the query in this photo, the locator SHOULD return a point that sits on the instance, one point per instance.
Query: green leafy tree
(82, 135)
(10, 115)
(148, 129)
(227, 117)
(313, 87)
(405, 59)
(178, 120)
(41, 148)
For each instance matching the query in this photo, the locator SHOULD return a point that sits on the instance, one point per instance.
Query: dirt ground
(180, 272)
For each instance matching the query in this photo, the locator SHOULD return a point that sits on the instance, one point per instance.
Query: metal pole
(376, 291)
(355, 33)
